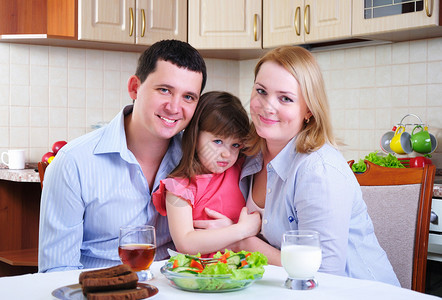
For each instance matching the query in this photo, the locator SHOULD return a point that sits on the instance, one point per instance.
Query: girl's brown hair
(303, 66)
(219, 113)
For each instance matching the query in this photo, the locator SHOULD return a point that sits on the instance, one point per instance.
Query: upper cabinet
(46, 18)
(246, 28)
(226, 24)
(305, 21)
(141, 22)
(396, 21)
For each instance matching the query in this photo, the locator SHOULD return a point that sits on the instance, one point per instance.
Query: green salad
(389, 161)
(231, 271)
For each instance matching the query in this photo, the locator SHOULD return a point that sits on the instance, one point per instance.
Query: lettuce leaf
(389, 161)
(183, 261)
(217, 269)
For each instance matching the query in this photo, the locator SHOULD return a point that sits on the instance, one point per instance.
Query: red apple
(57, 146)
(46, 156)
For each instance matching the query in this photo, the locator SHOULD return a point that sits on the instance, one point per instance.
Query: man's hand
(219, 220)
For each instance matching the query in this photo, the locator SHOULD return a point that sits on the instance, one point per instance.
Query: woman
(297, 179)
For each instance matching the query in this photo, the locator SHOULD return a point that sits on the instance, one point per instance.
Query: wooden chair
(41, 171)
(399, 204)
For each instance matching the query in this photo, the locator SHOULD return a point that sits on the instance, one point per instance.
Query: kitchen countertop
(26, 175)
(30, 175)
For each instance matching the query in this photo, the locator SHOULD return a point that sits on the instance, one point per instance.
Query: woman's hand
(219, 221)
(250, 223)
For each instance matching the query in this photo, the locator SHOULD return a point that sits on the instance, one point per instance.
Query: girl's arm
(218, 220)
(191, 241)
(256, 244)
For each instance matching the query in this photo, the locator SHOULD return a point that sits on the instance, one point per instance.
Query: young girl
(207, 177)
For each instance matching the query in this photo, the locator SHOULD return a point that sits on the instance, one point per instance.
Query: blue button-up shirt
(318, 191)
(93, 187)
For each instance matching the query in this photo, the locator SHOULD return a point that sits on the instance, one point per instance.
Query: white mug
(16, 159)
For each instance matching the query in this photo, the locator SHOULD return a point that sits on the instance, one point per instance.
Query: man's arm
(61, 217)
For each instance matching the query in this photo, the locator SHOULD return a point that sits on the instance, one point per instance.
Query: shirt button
(269, 190)
(264, 221)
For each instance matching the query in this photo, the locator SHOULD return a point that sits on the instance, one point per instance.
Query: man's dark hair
(176, 52)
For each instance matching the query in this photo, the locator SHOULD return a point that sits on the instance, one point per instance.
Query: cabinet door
(282, 22)
(227, 24)
(161, 19)
(326, 20)
(52, 17)
(394, 17)
(305, 21)
(106, 20)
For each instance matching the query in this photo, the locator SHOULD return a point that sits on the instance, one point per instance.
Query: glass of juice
(301, 258)
(137, 246)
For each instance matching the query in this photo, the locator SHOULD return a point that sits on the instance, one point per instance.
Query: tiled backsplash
(372, 88)
(55, 93)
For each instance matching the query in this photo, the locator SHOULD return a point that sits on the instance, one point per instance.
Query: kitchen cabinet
(124, 25)
(397, 22)
(19, 219)
(227, 24)
(141, 22)
(45, 18)
(305, 21)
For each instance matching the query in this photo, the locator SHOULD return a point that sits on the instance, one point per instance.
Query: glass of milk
(301, 257)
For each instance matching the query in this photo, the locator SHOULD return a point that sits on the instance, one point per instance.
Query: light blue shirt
(93, 187)
(318, 191)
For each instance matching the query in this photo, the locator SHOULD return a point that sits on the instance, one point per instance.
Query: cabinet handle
(307, 19)
(427, 10)
(255, 27)
(143, 22)
(297, 21)
(131, 21)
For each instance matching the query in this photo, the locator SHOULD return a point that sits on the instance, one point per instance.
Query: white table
(40, 286)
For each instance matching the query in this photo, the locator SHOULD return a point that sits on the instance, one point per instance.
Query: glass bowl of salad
(229, 271)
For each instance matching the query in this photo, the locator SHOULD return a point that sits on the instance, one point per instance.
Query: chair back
(399, 204)
(41, 171)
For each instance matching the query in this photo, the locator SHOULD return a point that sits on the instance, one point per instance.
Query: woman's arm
(256, 244)
(189, 240)
(324, 200)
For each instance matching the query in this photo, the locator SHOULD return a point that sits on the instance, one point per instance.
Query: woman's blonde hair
(303, 66)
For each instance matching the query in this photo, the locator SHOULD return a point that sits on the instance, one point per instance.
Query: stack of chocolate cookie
(118, 282)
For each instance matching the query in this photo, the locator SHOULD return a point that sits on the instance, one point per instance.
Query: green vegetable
(235, 260)
(389, 161)
(226, 274)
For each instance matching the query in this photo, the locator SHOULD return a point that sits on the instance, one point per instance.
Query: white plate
(74, 292)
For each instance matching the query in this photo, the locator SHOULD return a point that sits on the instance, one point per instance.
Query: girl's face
(277, 106)
(215, 153)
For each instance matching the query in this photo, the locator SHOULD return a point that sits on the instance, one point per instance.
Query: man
(104, 180)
